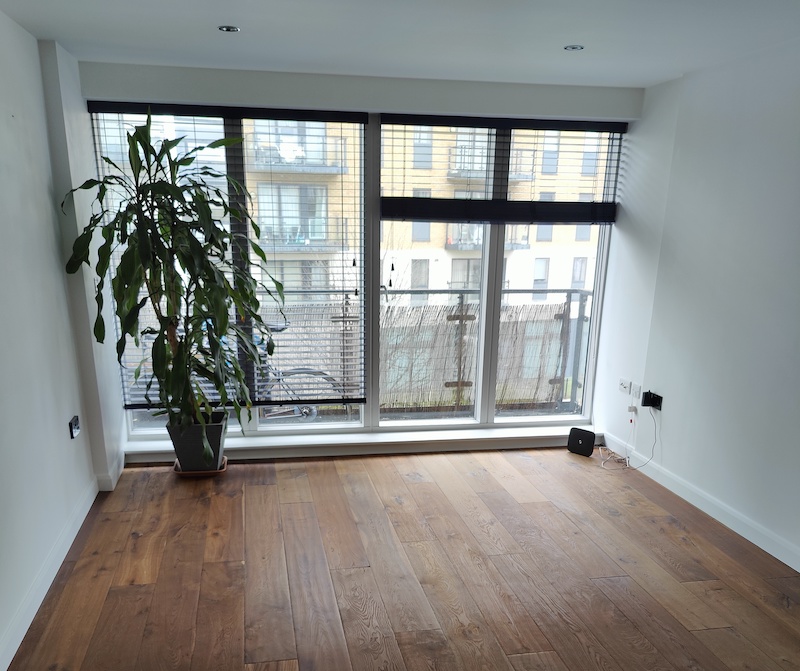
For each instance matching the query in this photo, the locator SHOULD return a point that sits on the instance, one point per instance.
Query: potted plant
(164, 217)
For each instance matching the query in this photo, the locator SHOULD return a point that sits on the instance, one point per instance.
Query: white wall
(722, 346)
(73, 161)
(46, 481)
(633, 263)
(149, 83)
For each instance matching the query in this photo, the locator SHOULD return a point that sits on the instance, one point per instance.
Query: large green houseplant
(164, 218)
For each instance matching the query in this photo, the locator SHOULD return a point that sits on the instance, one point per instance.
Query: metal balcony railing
(323, 234)
(319, 156)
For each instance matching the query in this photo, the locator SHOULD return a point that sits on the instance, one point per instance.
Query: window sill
(363, 443)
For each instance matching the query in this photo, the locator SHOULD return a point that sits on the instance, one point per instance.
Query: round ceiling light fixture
(573, 47)
(228, 29)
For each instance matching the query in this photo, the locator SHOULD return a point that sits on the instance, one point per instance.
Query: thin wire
(628, 467)
(619, 459)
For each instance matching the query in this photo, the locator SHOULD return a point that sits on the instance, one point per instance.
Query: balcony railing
(319, 156)
(469, 237)
(328, 234)
(429, 342)
(468, 162)
(429, 349)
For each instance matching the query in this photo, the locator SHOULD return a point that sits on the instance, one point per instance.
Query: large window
(482, 293)
(488, 348)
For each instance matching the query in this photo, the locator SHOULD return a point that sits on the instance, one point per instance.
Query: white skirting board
(11, 638)
(734, 519)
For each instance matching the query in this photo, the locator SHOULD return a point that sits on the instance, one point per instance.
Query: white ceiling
(627, 42)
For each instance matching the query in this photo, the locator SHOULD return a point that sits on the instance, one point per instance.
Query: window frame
(375, 206)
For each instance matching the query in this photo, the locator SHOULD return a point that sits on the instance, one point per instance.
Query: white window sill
(363, 443)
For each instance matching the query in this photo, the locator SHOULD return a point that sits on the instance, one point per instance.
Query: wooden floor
(519, 560)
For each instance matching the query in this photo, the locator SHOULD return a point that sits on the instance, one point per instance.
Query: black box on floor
(581, 442)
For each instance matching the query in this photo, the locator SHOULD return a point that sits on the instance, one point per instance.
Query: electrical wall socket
(74, 427)
(625, 386)
(636, 390)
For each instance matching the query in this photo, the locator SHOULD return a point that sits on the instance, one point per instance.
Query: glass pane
(306, 179)
(111, 132)
(430, 305)
(544, 333)
(448, 162)
(561, 165)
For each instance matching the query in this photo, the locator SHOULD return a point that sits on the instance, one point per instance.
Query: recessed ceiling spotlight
(229, 29)
(574, 47)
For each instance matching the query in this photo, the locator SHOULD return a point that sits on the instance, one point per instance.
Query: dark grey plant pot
(188, 444)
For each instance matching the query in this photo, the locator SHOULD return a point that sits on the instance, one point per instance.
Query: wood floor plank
(293, 484)
(321, 642)
(734, 546)
(411, 468)
(461, 620)
(343, 544)
(779, 642)
(510, 478)
(256, 472)
(269, 630)
(219, 643)
(761, 592)
(473, 471)
(406, 605)
(284, 665)
(505, 615)
(494, 539)
(33, 637)
(574, 641)
(427, 651)
(569, 585)
(118, 635)
(692, 612)
(408, 521)
(588, 557)
(69, 631)
(675, 642)
(144, 549)
(594, 487)
(538, 661)
(129, 491)
(735, 651)
(405, 601)
(789, 587)
(225, 537)
(367, 628)
(169, 634)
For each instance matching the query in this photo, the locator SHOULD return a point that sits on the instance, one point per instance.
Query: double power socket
(632, 389)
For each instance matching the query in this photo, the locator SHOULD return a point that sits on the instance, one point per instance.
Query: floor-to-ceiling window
(504, 331)
(490, 241)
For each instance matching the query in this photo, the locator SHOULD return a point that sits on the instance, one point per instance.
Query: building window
(544, 232)
(420, 279)
(423, 147)
(541, 273)
(579, 264)
(291, 214)
(283, 141)
(471, 151)
(583, 232)
(591, 152)
(466, 274)
(550, 152)
(421, 230)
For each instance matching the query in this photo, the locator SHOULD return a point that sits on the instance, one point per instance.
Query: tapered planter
(188, 445)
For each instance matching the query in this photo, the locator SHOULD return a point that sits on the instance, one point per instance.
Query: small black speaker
(581, 442)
